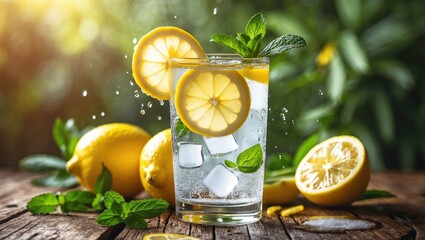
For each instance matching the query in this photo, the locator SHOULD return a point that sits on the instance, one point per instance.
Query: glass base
(224, 215)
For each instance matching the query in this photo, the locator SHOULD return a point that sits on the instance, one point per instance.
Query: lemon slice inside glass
(260, 75)
(334, 172)
(150, 59)
(211, 102)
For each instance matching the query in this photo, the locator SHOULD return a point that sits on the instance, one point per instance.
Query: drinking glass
(218, 109)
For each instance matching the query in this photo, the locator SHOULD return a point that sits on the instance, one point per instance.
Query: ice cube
(259, 94)
(190, 155)
(221, 181)
(219, 146)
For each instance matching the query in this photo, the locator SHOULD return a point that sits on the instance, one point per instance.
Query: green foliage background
(72, 59)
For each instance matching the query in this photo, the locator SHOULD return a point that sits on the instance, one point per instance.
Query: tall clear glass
(218, 112)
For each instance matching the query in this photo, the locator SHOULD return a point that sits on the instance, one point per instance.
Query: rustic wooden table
(401, 218)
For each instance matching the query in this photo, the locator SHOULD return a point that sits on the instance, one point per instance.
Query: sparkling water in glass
(209, 191)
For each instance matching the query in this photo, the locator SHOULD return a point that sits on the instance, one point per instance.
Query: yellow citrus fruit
(280, 192)
(257, 74)
(168, 236)
(118, 147)
(156, 167)
(291, 210)
(212, 102)
(150, 59)
(335, 172)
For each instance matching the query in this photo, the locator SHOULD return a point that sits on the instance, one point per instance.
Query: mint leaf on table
(43, 204)
(57, 178)
(77, 201)
(148, 208)
(109, 218)
(111, 196)
(42, 163)
(251, 159)
(374, 193)
(104, 181)
(248, 44)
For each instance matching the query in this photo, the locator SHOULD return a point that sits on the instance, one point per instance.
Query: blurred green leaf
(336, 78)
(371, 144)
(349, 12)
(353, 52)
(396, 71)
(304, 148)
(374, 193)
(58, 178)
(384, 115)
(42, 163)
(279, 161)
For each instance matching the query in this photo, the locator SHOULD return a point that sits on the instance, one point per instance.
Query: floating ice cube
(219, 146)
(190, 155)
(259, 94)
(221, 181)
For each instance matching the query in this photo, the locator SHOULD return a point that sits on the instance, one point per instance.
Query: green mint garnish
(248, 44)
(374, 193)
(181, 129)
(104, 181)
(248, 161)
(133, 214)
(43, 204)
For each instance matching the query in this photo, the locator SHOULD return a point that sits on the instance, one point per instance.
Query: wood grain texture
(400, 218)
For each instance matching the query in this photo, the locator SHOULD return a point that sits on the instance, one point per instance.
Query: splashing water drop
(142, 111)
(85, 93)
(125, 56)
(159, 118)
(284, 110)
(117, 92)
(175, 17)
(161, 102)
(293, 122)
(134, 40)
(102, 114)
(149, 104)
(215, 11)
(131, 83)
(142, 105)
(283, 116)
(321, 92)
(93, 117)
(136, 93)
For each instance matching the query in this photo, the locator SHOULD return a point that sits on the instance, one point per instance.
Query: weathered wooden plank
(236, 233)
(54, 226)
(267, 228)
(202, 231)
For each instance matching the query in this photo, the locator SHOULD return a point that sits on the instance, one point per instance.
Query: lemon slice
(211, 102)
(260, 75)
(151, 55)
(334, 172)
(168, 236)
(280, 192)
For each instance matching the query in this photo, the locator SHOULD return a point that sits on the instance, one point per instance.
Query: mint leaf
(42, 163)
(109, 218)
(243, 38)
(77, 201)
(304, 148)
(282, 44)
(58, 178)
(97, 203)
(254, 45)
(104, 181)
(232, 43)
(256, 26)
(230, 164)
(374, 193)
(110, 197)
(251, 159)
(43, 204)
(181, 129)
(148, 208)
(135, 221)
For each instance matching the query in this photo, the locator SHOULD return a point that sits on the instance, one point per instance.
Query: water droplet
(131, 83)
(136, 93)
(275, 147)
(126, 72)
(125, 56)
(102, 114)
(286, 133)
(149, 104)
(159, 118)
(215, 11)
(134, 40)
(142, 111)
(284, 110)
(321, 92)
(93, 117)
(117, 92)
(161, 102)
(85, 93)
(283, 116)
(142, 105)
(175, 17)
(293, 121)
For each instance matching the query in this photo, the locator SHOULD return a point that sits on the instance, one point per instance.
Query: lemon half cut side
(335, 172)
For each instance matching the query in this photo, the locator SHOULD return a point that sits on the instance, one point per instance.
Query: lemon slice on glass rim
(151, 56)
(335, 172)
(212, 102)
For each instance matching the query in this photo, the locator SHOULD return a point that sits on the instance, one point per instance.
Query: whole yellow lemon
(156, 167)
(118, 147)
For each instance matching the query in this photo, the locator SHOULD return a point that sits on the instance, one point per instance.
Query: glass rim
(210, 57)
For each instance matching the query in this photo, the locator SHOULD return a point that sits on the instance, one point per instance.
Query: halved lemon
(151, 55)
(212, 102)
(280, 192)
(168, 236)
(335, 172)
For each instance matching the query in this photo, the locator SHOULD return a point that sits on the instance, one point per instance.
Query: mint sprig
(248, 161)
(248, 44)
(133, 214)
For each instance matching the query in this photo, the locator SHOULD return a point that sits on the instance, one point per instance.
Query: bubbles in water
(85, 93)
(102, 114)
(134, 40)
(159, 118)
(215, 11)
(136, 93)
(149, 104)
